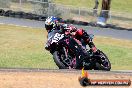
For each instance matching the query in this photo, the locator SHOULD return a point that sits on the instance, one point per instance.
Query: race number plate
(57, 38)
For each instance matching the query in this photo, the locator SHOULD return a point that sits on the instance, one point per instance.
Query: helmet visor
(49, 27)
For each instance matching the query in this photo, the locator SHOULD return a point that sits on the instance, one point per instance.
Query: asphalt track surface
(106, 32)
(119, 34)
(118, 72)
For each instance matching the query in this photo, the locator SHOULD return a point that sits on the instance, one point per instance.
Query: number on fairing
(57, 37)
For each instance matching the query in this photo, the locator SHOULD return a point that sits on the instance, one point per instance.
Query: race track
(55, 78)
(107, 32)
(123, 72)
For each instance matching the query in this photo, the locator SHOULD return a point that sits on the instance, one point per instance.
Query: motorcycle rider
(54, 23)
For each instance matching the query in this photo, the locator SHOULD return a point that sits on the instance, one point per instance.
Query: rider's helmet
(51, 22)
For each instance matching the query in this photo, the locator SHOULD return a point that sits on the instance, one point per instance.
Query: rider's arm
(85, 36)
(92, 46)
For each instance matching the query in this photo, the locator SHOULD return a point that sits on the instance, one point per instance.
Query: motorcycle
(68, 53)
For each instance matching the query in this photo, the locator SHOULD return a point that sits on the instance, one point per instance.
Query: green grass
(118, 51)
(22, 47)
(120, 57)
(116, 5)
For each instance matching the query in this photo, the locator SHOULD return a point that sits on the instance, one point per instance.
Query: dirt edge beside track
(30, 78)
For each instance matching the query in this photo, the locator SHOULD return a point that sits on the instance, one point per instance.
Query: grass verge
(22, 47)
(116, 5)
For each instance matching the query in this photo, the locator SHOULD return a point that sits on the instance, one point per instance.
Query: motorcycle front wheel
(103, 62)
(62, 62)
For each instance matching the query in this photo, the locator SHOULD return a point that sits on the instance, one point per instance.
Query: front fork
(73, 46)
(72, 61)
(65, 52)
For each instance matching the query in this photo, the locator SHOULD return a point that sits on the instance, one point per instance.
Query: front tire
(103, 63)
(57, 61)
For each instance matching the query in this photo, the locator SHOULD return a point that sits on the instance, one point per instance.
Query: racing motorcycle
(68, 53)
